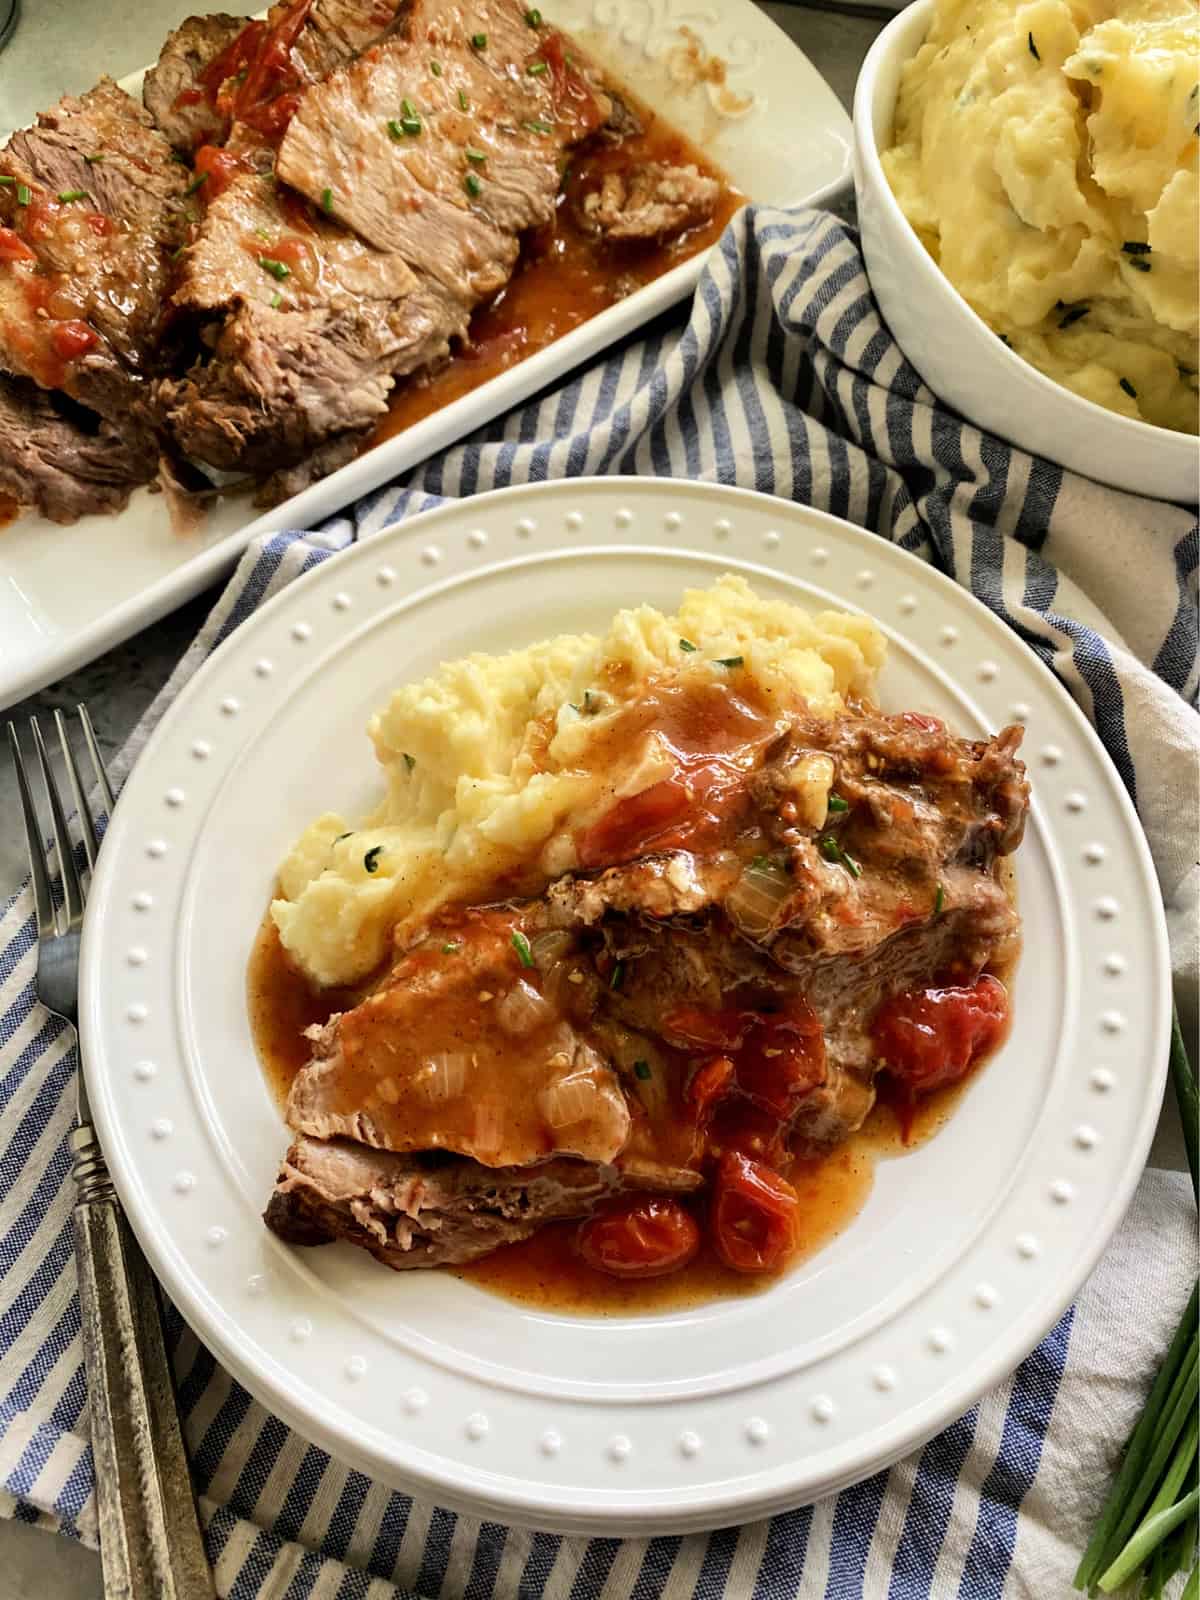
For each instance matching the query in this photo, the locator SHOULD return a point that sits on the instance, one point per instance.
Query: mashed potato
(1046, 153)
(487, 762)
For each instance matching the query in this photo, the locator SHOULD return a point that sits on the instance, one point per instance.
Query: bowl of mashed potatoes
(1027, 188)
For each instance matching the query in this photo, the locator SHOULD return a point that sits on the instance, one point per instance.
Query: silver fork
(150, 1545)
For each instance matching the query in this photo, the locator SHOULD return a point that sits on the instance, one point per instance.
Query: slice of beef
(650, 201)
(444, 142)
(97, 209)
(175, 91)
(306, 347)
(61, 460)
(409, 1211)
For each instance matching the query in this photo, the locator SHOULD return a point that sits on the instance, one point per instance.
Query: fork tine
(91, 844)
(43, 900)
(89, 737)
(72, 888)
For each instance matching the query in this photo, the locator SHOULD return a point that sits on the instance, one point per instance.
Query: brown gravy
(545, 1271)
(564, 275)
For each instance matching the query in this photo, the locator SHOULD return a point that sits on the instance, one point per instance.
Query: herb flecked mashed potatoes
(488, 771)
(1045, 151)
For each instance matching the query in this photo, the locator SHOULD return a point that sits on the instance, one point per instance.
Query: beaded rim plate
(733, 82)
(967, 1249)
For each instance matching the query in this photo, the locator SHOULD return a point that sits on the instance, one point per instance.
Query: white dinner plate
(773, 125)
(967, 1249)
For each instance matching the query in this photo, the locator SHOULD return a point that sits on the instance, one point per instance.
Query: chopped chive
(687, 646)
(618, 976)
(836, 803)
(533, 17)
(277, 269)
(472, 185)
(533, 126)
(1128, 388)
(196, 183)
(326, 199)
(761, 863)
(1075, 314)
(939, 900)
(24, 194)
(5, 179)
(68, 195)
(1033, 49)
(93, 160)
(479, 41)
(832, 851)
(450, 949)
(261, 233)
(521, 945)
(408, 108)
(1135, 247)
(409, 761)
(176, 253)
(463, 103)
(537, 69)
(371, 859)
(475, 155)
(851, 865)
(342, 836)
(395, 131)
(730, 661)
(641, 1069)
(1138, 263)
(436, 68)
(276, 302)
(411, 126)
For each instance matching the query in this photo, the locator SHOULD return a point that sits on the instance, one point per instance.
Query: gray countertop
(62, 46)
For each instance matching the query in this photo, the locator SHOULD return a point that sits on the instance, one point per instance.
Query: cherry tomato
(643, 1239)
(635, 823)
(755, 1215)
(930, 1037)
(782, 1059)
(71, 339)
(13, 247)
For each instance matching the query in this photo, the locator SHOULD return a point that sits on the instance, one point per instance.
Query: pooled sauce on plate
(565, 275)
(545, 1271)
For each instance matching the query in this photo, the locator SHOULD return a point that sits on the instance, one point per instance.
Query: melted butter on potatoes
(489, 771)
(1046, 154)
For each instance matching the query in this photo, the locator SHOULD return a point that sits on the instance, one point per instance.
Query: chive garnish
(24, 194)
(92, 160)
(277, 269)
(1135, 247)
(939, 900)
(618, 976)
(348, 835)
(410, 122)
(67, 195)
(537, 69)
(832, 851)
(521, 945)
(463, 103)
(641, 1069)
(479, 41)
(436, 68)
(1033, 49)
(761, 863)
(836, 803)
(1128, 388)
(1138, 263)
(411, 126)
(395, 131)
(533, 126)
(730, 661)
(196, 183)
(6, 180)
(851, 865)
(472, 185)
(533, 17)
(371, 859)
(276, 302)
(475, 155)
(409, 761)
(450, 949)
(326, 199)
(687, 646)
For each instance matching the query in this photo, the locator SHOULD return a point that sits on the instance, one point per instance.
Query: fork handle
(150, 1544)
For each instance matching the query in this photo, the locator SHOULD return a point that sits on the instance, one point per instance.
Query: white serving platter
(967, 1249)
(776, 129)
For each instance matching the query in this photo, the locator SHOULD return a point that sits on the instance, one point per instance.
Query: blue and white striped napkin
(783, 379)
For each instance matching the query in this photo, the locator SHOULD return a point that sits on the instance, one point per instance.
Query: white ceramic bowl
(956, 353)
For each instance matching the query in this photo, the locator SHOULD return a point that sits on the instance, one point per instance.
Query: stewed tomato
(782, 1059)
(218, 168)
(708, 1084)
(930, 1037)
(640, 1239)
(72, 339)
(13, 247)
(755, 1215)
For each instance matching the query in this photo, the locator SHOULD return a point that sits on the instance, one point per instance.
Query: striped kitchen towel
(781, 379)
